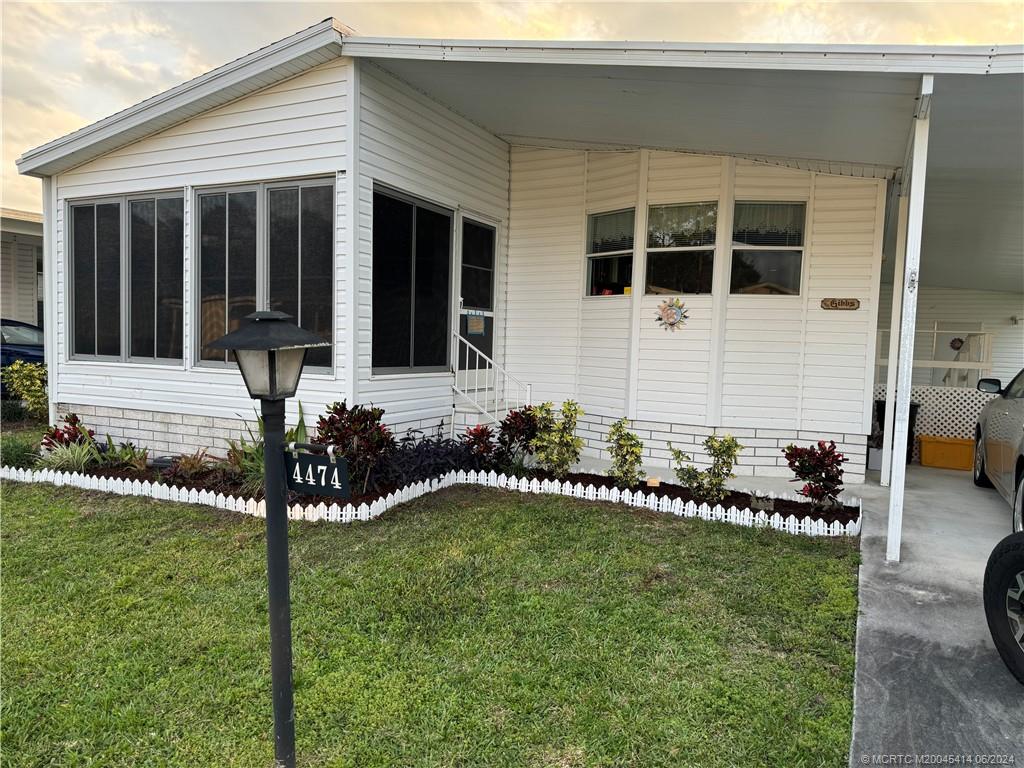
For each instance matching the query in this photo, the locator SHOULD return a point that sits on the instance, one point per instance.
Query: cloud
(65, 65)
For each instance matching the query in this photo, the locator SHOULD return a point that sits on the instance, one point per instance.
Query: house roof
(21, 222)
(252, 72)
(330, 38)
(832, 108)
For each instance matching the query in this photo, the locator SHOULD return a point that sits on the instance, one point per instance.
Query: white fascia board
(850, 58)
(70, 150)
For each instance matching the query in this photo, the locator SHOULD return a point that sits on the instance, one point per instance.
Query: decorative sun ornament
(956, 344)
(671, 314)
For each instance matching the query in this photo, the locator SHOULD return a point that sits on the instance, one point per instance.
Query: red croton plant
(820, 468)
(73, 431)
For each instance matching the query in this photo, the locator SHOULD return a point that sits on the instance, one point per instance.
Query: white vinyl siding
(843, 262)
(18, 272)
(780, 356)
(547, 225)
(296, 128)
(672, 384)
(414, 145)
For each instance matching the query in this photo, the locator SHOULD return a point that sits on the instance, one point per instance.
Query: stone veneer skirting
(762, 448)
(175, 433)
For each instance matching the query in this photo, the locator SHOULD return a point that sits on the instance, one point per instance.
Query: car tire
(980, 478)
(1004, 601)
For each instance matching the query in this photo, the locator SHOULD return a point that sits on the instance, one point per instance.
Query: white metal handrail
(484, 384)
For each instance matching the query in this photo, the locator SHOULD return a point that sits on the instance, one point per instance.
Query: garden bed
(785, 505)
(313, 509)
(215, 481)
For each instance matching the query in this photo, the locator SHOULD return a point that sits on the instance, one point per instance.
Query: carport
(945, 124)
(929, 680)
(959, 225)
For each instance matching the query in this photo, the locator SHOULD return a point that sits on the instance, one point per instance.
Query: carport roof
(838, 109)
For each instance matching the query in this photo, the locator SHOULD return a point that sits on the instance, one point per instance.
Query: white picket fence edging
(348, 513)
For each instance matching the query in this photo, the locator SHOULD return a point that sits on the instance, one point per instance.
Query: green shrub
(515, 437)
(73, 457)
(20, 450)
(124, 456)
(709, 485)
(556, 446)
(12, 410)
(627, 452)
(188, 467)
(27, 381)
(361, 438)
(244, 461)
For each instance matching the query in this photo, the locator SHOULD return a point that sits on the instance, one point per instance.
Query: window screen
(477, 266)
(767, 252)
(227, 265)
(610, 253)
(96, 279)
(411, 283)
(155, 246)
(301, 259)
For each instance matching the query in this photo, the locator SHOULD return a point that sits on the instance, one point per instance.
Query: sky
(65, 65)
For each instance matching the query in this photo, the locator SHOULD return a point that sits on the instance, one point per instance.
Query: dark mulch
(218, 481)
(785, 507)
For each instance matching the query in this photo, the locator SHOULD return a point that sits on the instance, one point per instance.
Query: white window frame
(124, 202)
(589, 256)
(712, 247)
(733, 246)
(261, 188)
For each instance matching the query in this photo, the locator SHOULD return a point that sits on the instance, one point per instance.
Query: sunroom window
(610, 253)
(767, 248)
(412, 252)
(96, 279)
(155, 232)
(680, 248)
(267, 246)
(139, 318)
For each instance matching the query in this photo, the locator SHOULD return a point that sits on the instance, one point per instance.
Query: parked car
(999, 443)
(19, 341)
(1004, 601)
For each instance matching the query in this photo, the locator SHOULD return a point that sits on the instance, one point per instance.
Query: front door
(476, 307)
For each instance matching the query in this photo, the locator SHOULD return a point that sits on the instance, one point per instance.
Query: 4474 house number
(316, 475)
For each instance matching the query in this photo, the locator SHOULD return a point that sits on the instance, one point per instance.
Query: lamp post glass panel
(271, 352)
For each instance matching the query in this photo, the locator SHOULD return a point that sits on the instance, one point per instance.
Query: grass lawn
(472, 627)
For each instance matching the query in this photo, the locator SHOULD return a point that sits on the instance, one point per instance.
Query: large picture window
(125, 258)
(412, 246)
(266, 246)
(680, 248)
(610, 253)
(767, 248)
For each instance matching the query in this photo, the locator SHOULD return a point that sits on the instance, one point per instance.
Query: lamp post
(271, 352)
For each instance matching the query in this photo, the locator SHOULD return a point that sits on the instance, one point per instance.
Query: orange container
(947, 452)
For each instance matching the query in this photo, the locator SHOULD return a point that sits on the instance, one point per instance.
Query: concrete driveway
(929, 680)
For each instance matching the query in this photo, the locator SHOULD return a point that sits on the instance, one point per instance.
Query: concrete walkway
(929, 680)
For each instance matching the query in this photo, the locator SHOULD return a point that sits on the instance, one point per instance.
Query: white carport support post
(908, 319)
(894, 337)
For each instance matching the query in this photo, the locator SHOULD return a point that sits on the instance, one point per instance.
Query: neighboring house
(21, 266)
(415, 201)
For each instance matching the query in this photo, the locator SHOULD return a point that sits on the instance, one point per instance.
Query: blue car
(19, 341)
